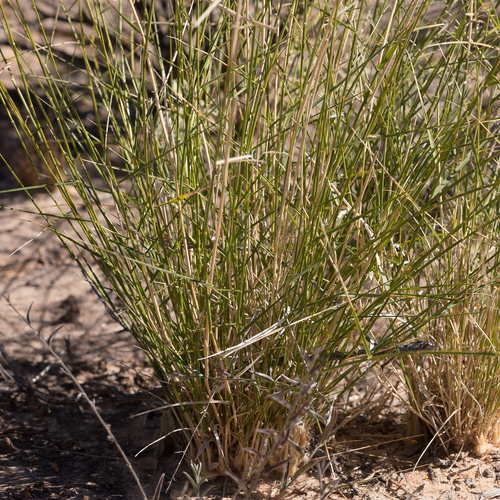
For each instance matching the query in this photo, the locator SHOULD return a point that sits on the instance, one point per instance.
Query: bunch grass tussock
(283, 199)
(455, 394)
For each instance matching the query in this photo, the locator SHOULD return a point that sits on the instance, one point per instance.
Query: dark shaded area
(50, 450)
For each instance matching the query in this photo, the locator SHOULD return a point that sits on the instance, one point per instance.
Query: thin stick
(111, 437)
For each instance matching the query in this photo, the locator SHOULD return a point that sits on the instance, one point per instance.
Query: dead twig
(68, 372)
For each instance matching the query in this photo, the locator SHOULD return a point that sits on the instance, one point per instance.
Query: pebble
(489, 473)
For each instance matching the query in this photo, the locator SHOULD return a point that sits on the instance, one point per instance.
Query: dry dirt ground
(50, 448)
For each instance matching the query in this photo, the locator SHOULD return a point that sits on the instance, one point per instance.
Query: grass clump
(455, 395)
(268, 190)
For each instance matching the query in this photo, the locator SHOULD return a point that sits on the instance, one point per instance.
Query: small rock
(489, 473)
(496, 467)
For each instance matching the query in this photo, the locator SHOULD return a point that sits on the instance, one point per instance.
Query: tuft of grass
(455, 395)
(272, 192)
